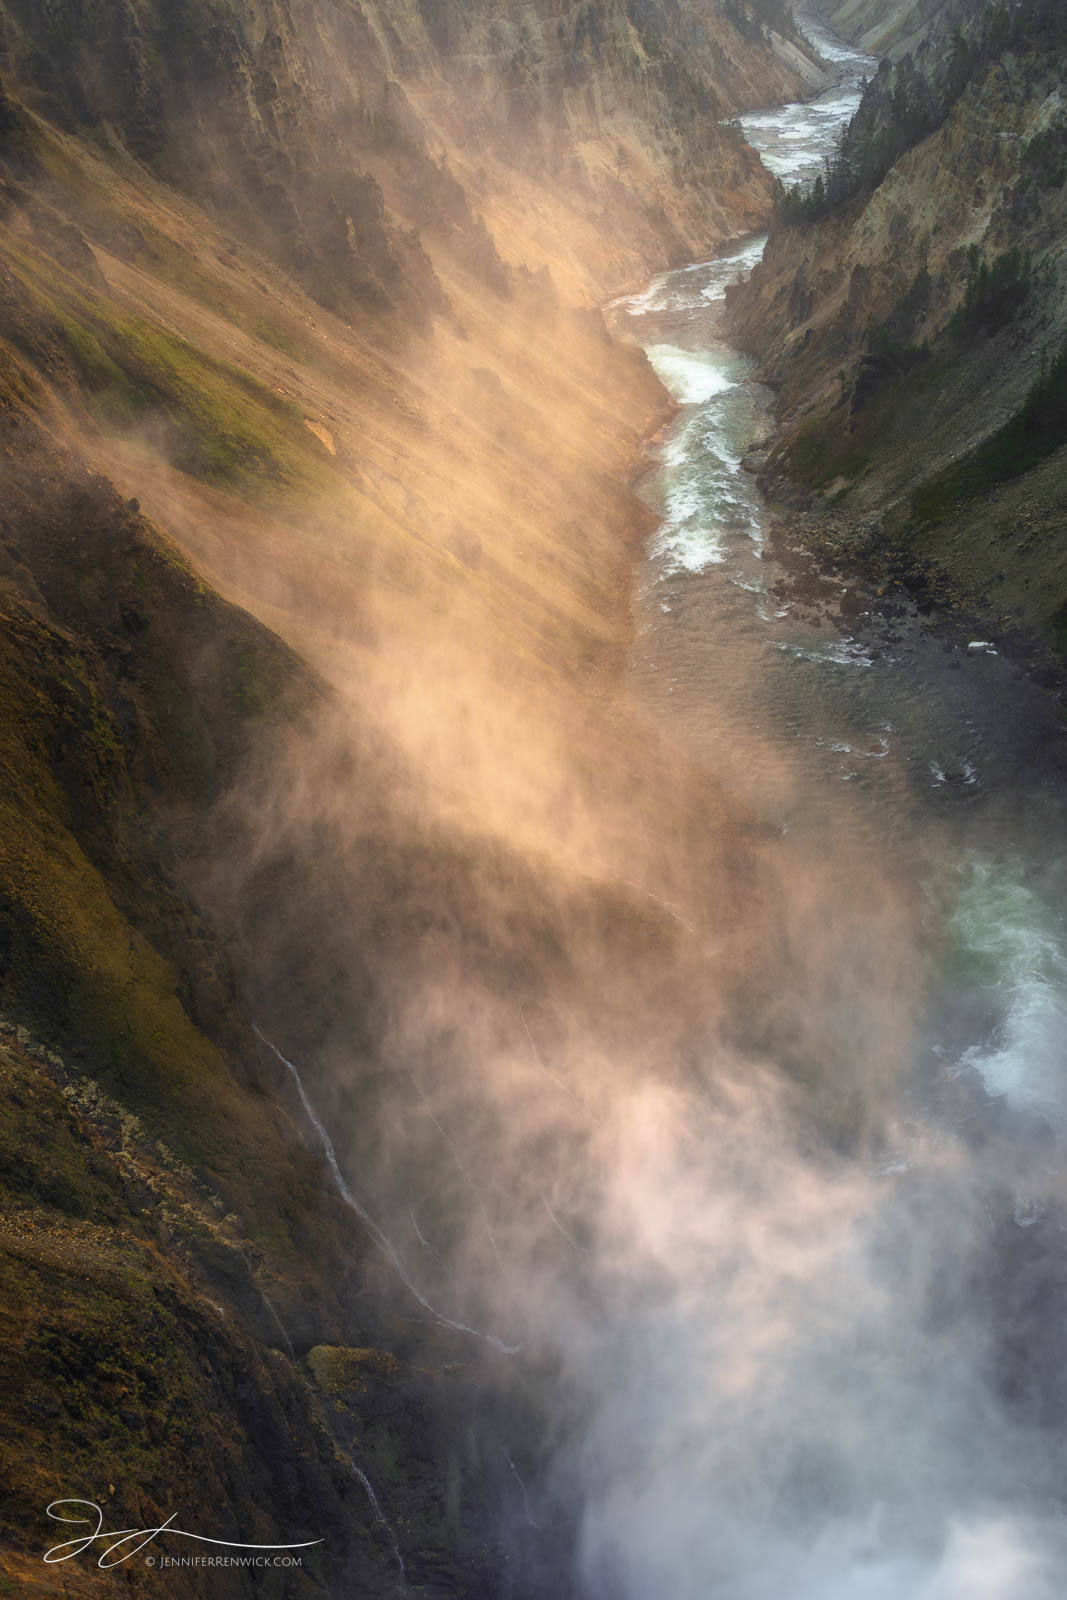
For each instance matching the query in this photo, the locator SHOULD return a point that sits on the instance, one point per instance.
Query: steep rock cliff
(913, 328)
(326, 136)
(893, 28)
(232, 368)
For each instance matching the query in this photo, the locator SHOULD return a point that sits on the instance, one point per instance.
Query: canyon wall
(593, 133)
(315, 545)
(894, 28)
(913, 329)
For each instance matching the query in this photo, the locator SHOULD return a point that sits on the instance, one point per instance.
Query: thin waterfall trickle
(279, 1324)
(381, 1519)
(426, 1245)
(381, 1240)
(557, 1224)
(525, 1492)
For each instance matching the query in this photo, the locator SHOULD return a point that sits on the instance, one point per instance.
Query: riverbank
(834, 549)
(917, 418)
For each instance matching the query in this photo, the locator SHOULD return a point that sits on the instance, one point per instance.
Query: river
(878, 1409)
(947, 749)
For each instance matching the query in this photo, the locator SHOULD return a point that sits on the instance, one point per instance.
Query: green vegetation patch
(891, 348)
(168, 261)
(822, 451)
(225, 426)
(996, 292)
(1038, 429)
(341, 1371)
(213, 420)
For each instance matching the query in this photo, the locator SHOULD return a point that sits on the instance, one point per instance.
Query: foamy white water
(1013, 945)
(691, 377)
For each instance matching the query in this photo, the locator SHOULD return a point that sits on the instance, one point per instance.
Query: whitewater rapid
(947, 747)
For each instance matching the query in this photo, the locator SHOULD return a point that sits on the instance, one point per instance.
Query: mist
(626, 1067)
(645, 943)
(660, 1138)
(664, 1097)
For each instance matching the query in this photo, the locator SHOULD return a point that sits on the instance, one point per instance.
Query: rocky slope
(170, 1250)
(914, 329)
(314, 558)
(325, 137)
(895, 28)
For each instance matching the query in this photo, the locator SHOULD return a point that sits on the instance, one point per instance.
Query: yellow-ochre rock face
(591, 139)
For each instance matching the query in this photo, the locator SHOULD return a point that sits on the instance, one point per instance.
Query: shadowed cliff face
(912, 329)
